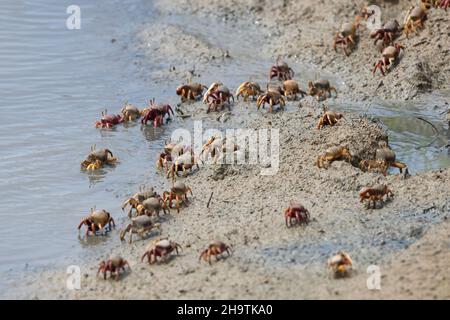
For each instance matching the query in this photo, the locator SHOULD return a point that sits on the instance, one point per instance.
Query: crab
(373, 166)
(140, 225)
(320, 87)
(160, 248)
(374, 194)
(332, 154)
(171, 151)
(390, 54)
(291, 89)
(216, 147)
(216, 95)
(296, 211)
(115, 264)
(152, 206)
(156, 113)
(415, 18)
(248, 89)
(328, 118)
(387, 33)
(281, 71)
(272, 98)
(177, 192)
(182, 163)
(366, 13)
(191, 91)
(96, 221)
(340, 264)
(388, 158)
(163, 110)
(108, 120)
(346, 36)
(97, 158)
(130, 112)
(138, 198)
(215, 248)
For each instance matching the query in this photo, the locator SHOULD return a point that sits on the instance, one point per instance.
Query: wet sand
(408, 238)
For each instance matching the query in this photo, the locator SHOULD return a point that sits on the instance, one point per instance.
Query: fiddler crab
(346, 36)
(152, 206)
(386, 34)
(178, 192)
(415, 18)
(216, 147)
(320, 88)
(160, 248)
(171, 150)
(384, 159)
(115, 264)
(273, 98)
(281, 71)
(291, 89)
(182, 163)
(130, 112)
(140, 225)
(248, 89)
(108, 120)
(341, 265)
(216, 96)
(215, 248)
(96, 159)
(96, 221)
(156, 113)
(191, 91)
(138, 198)
(374, 194)
(328, 118)
(296, 211)
(333, 154)
(390, 55)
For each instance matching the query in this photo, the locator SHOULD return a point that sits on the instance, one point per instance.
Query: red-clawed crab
(141, 225)
(97, 158)
(415, 18)
(138, 198)
(273, 98)
(160, 248)
(443, 4)
(178, 192)
(182, 163)
(291, 89)
(96, 221)
(333, 154)
(387, 33)
(248, 89)
(215, 248)
(346, 36)
(108, 120)
(130, 112)
(216, 97)
(340, 265)
(296, 211)
(320, 88)
(281, 71)
(390, 54)
(328, 118)
(191, 91)
(115, 264)
(156, 113)
(374, 194)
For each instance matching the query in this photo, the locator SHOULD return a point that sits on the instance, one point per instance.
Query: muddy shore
(408, 238)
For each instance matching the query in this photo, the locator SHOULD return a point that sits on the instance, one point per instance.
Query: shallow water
(54, 84)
